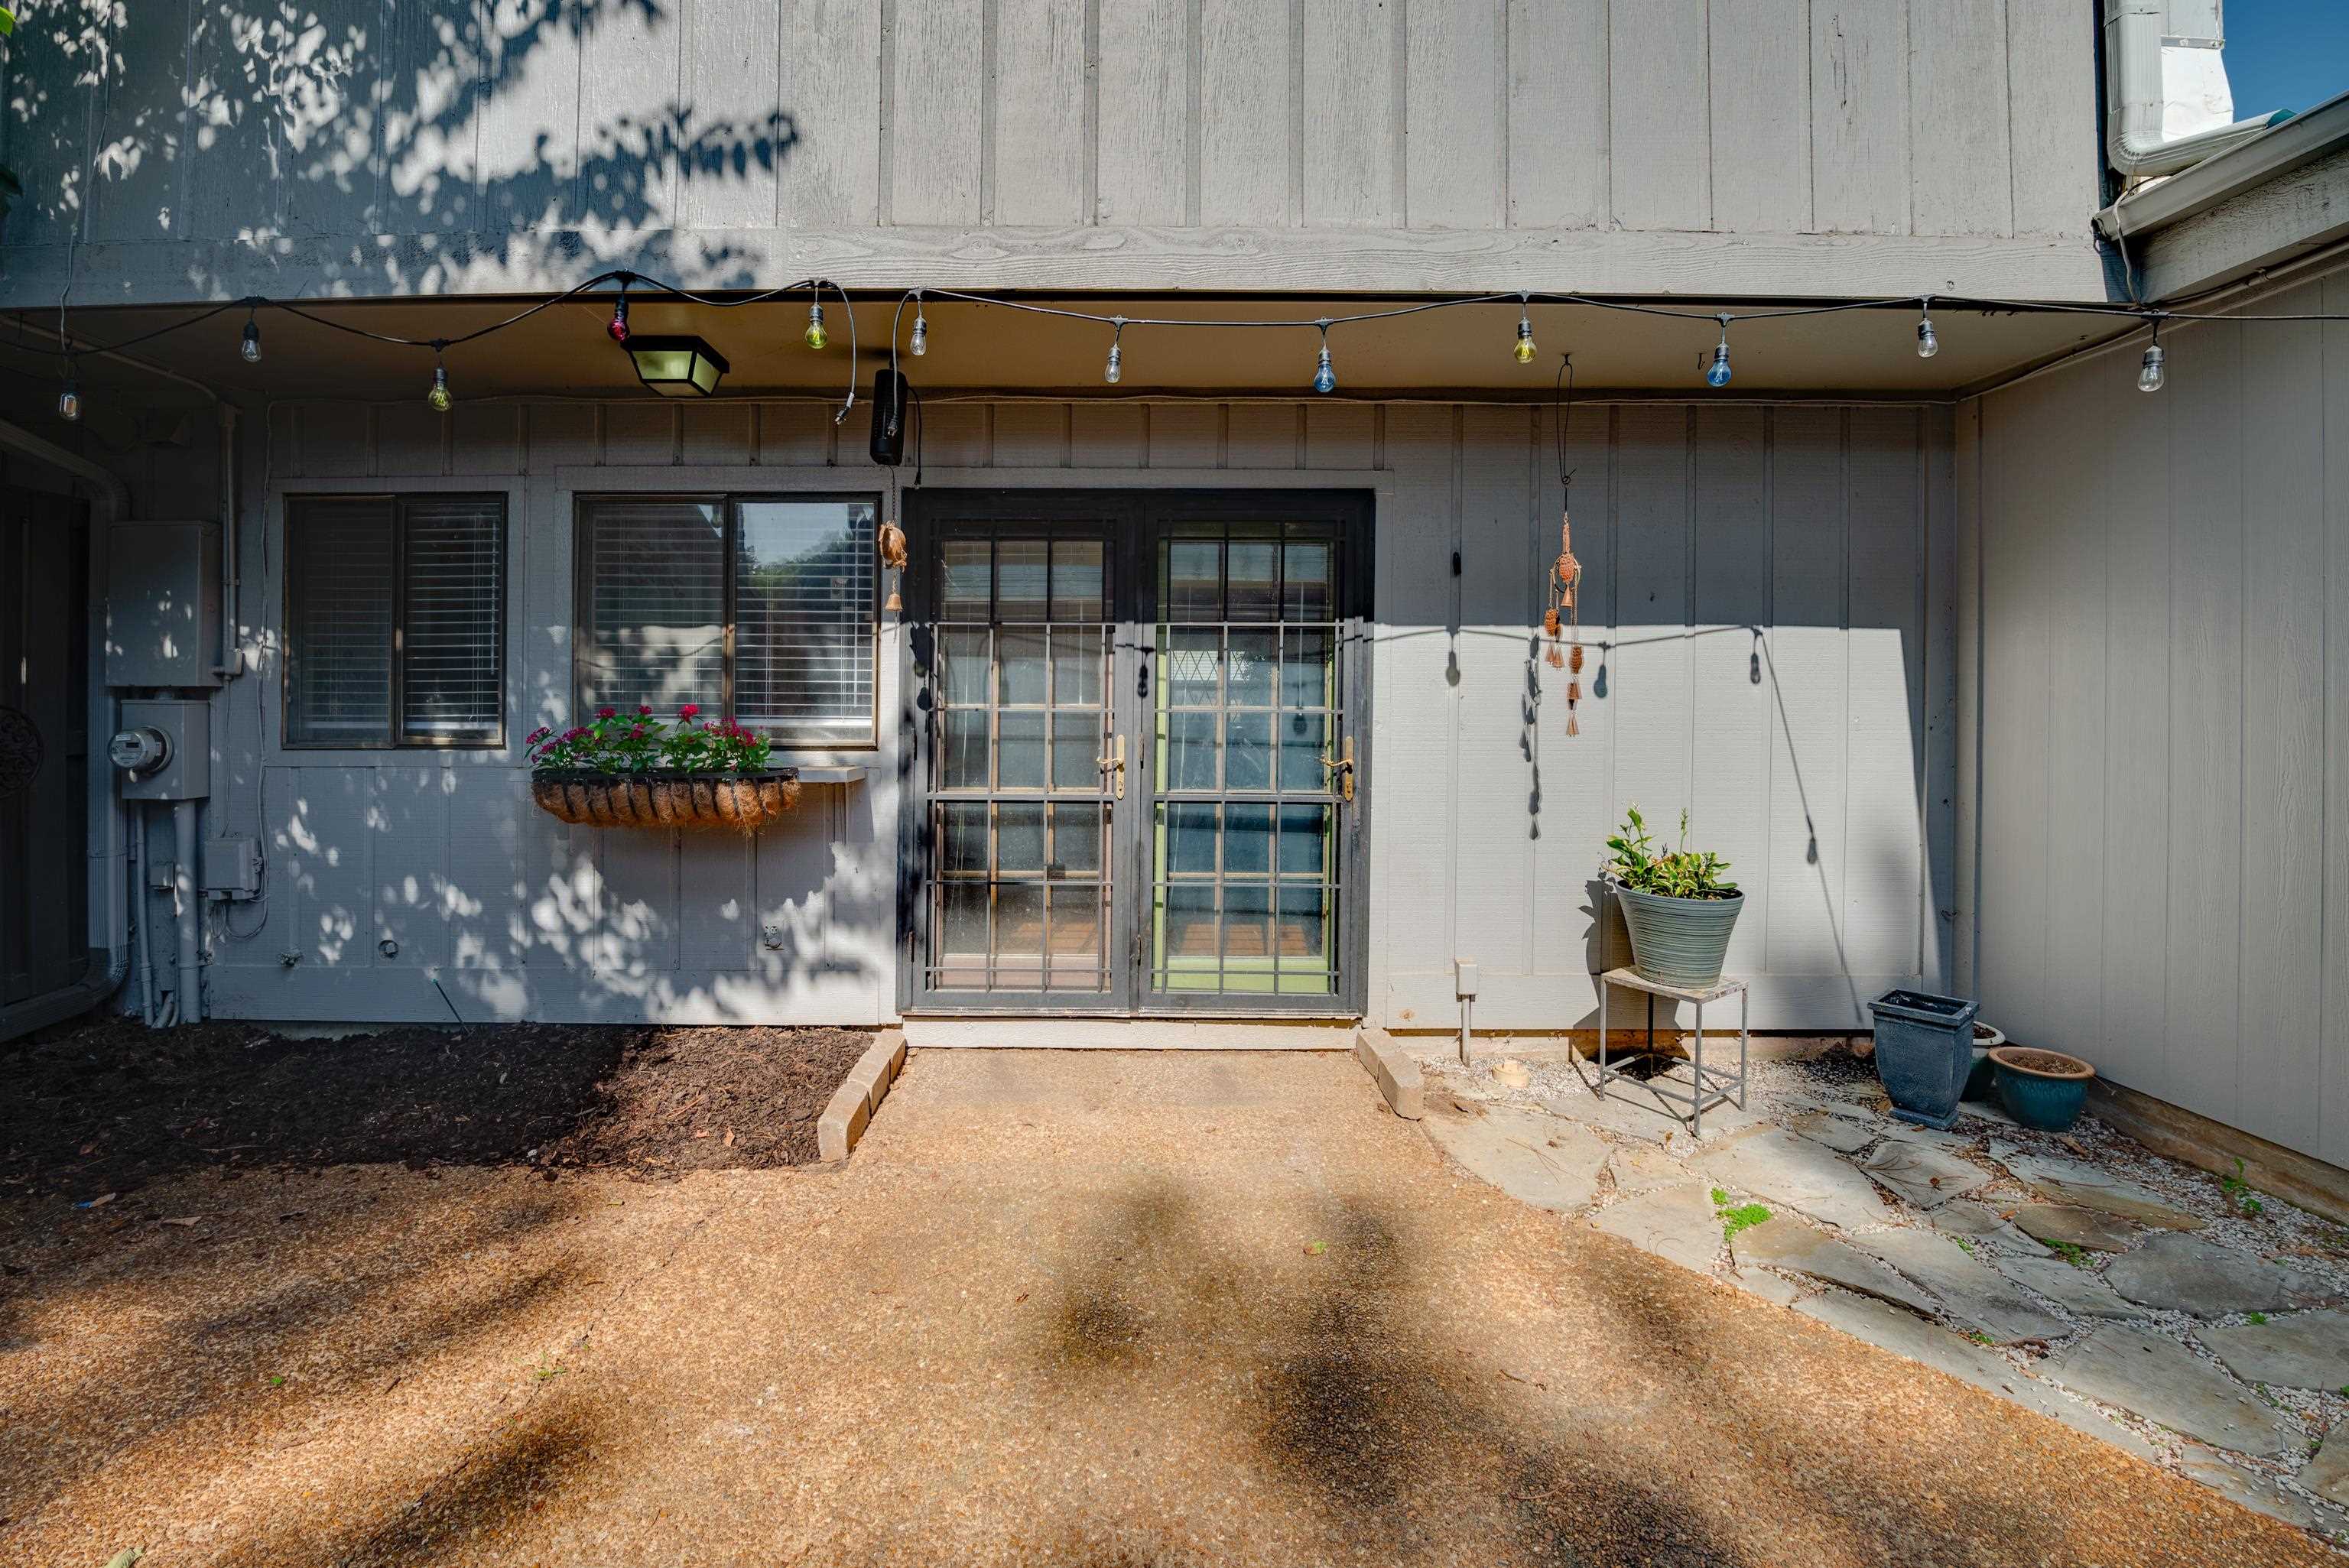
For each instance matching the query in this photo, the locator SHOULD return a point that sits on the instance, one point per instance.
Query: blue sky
(2286, 53)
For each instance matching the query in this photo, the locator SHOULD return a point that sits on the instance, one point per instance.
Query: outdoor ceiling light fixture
(677, 366)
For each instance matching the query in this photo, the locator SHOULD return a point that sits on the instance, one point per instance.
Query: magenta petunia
(688, 710)
(607, 712)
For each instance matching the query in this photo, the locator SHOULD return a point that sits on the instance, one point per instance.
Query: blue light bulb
(1324, 378)
(1717, 373)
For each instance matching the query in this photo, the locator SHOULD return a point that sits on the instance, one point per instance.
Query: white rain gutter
(2269, 155)
(109, 903)
(2135, 100)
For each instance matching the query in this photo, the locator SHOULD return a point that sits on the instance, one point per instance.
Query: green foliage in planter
(640, 743)
(1639, 864)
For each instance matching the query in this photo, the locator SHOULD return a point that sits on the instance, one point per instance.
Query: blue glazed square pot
(1924, 1054)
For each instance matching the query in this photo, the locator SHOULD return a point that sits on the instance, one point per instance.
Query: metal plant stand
(1709, 1086)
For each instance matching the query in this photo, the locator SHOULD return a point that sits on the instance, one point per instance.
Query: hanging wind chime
(1563, 614)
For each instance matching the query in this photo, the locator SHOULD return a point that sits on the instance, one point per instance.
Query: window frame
(729, 502)
(290, 503)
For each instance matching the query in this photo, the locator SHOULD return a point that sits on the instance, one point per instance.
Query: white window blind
(803, 620)
(395, 606)
(656, 592)
(666, 581)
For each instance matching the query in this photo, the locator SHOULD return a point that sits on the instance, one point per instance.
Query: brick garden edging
(860, 1094)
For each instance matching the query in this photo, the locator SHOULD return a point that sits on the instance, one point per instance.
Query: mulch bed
(108, 1105)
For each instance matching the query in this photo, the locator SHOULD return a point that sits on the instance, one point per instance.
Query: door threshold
(1031, 1032)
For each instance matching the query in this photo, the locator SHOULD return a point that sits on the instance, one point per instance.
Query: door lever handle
(1113, 763)
(1341, 771)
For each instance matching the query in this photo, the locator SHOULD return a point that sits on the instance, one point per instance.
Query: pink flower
(536, 736)
(644, 708)
(637, 732)
(688, 710)
(607, 712)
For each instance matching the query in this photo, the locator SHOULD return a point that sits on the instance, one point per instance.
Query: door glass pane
(1076, 742)
(1304, 746)
(963, 657)
(966, 580)
(1078, 655)
(1020, 748)
(1191, 666)
(1018, 932)
(1076, 842)
(1077, 579)
(1076, 937)
(963, 751)
(1248, 751)
(1018, 840)
(964, 852)
(1248, 668)
(1190, 585)
(1020, 581)
(1189, 762)
(1307, 589)
(1020, 664)
(1255, 588)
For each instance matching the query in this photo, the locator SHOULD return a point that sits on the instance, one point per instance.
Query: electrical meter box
(163, 751)
(163, 604)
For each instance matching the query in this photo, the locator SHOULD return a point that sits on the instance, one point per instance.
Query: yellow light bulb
(816, 335)
(1524, 351)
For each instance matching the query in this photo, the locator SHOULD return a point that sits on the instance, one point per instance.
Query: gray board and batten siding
(2156, 859)
(1770, 611)
(1831, 147)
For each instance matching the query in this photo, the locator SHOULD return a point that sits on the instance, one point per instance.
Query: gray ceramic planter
(1678, 941)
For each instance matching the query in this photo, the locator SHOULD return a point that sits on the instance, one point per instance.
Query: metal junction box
(163, 604)
(163, 751)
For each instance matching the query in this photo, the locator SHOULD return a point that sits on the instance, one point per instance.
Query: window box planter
(664, 800)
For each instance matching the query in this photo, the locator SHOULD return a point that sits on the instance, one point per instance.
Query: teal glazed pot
(2044, 1090)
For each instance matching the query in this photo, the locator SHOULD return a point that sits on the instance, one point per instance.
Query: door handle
(1342, 770)
(1113, 762)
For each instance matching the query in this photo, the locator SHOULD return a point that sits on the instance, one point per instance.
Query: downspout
(109, 903)
(2134, 97)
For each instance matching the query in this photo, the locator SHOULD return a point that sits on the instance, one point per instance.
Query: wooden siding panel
(638, 933)
(1959, 179)
(1884, 824)
(2132, 501)
(1493, 829)
(796, 434)
(1557, 126)
(1648, 672)
(1145, 126)
(528, 136)
(1110, 435)
(1186, 435)
(1859, 116)
(409, 825)
(829, 141)
(2071, 559)
(2057, 157)
(1760, 108)
(2284, 463)
(1038, 91)
(630, 65)
(2333, 1087)
(1804, 664)
(1350, 113)
(2206, 754)
(1032, 436)
(2023, 442)
(1263, 434)
(637, 434)
(1340, 435)
(731, 125)
(1729, 798)
(1456, 115)
(1244, 112)
(935, 134)
(715, 432)
(1659, 108)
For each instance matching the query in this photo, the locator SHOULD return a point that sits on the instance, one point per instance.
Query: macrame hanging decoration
(1565, 615)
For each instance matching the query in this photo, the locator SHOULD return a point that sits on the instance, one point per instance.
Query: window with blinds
(395, 621)
(758, 608)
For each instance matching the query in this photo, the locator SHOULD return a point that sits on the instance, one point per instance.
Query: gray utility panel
(163, 604)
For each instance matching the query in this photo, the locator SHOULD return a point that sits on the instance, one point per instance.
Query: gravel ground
(1081, 1307)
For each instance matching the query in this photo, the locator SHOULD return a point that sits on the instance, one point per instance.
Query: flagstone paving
(2079, 1276)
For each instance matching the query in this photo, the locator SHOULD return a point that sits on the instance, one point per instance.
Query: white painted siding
(2162, 785)
(435, 145)
(1767, 611)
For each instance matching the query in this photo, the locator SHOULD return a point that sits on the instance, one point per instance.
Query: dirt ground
(110, 1106)
(1076, 1307)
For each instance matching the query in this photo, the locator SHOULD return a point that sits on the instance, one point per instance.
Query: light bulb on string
(1717, 375)
(251, 345)
(2153, 369)
(69, 397)
(618, 328)
(816, 335)
(1324, 380)
(1114, 371)
(439, 396)
(1928, 343)
(1525, 350)
(921, 342)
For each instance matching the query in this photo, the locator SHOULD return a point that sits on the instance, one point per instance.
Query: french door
(1137, 727)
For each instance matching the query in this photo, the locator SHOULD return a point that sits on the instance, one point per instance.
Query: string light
(816, 335)
(1324, 380)
(251, 345)
(2152, 371)
(1114, 370)
(921, 343)
(69, 397)
(439, 396)
(1525, 350)
(1717, 375)
(618, 329)
(1927, 345)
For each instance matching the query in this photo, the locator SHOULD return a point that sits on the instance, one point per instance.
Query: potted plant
(1676, 908)
(640, 772)
(2044, 1090)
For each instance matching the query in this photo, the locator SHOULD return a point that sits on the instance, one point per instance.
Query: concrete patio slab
(2307, 1350)
(1926, 1176)
(2163, 1381)
(2059, 1225)
(2076, 1290)
(1676, 1223)
(1785, 1243)
(2177, 1272)
(1535, 1158)
(1780, 1167)
(1971, 1291)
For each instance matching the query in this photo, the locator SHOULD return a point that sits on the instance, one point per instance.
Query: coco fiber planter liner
(695, 802)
